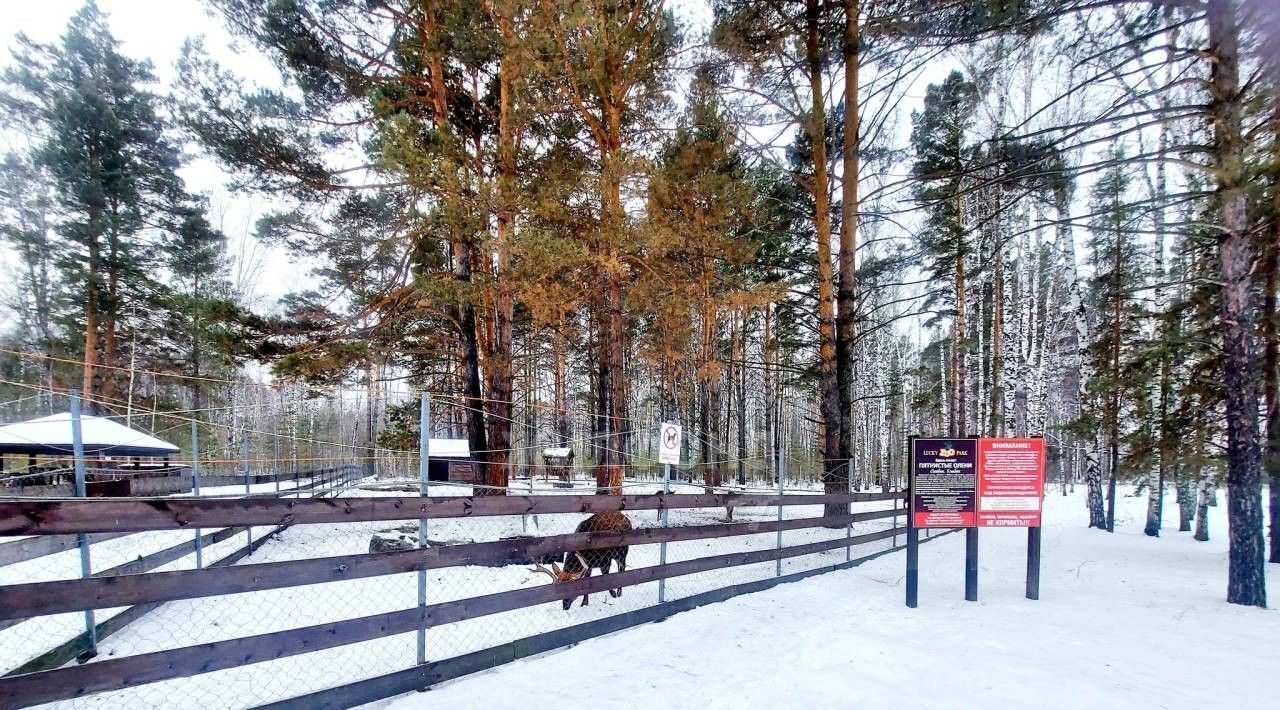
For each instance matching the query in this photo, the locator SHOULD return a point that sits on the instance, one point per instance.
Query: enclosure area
(845, 639)
(331, 591)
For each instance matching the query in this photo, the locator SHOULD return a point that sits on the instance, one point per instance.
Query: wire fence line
(243, 590)
(267, 625)
(33, 644)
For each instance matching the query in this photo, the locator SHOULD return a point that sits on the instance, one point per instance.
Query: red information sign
(1010, 482)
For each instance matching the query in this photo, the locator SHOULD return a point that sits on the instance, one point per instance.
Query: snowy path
(1123, 622)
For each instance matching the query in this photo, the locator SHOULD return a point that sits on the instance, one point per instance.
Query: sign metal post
(971, 564)
(1033, 562)
(669, 435)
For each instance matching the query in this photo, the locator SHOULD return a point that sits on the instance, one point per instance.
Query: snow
(560, 452)
(195, 621)
(1124, 621)
(97, 433)
(449, 448)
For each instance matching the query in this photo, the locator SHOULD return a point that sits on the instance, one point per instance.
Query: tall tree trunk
(996, 416)
(1271, 356)
(766, 352)
(1246, 582)
(600, 413)
(1113, 414)
(846, 297)
(741, 357)
(958, 394)
(560, 386)
(1186, 502)
(90, 326)
(613, 332)
(1204, 493)
(197, 402)
(1076, 375)
(110, 311)
(461, 246)
(709, 376)
(1155, 497)
(834, 471)
(473, 399)
(500, 356)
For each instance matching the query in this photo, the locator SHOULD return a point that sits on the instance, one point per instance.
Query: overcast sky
(156, 30)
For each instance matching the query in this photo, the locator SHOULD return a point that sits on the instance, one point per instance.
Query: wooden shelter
(450, 460)
(37, 458)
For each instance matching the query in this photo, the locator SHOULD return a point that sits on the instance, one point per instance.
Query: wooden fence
(53, 520)
(318, 482)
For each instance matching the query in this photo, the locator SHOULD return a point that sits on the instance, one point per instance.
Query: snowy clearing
(1124, 621)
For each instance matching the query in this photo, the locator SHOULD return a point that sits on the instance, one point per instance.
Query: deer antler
(586, 568)
(539, 568)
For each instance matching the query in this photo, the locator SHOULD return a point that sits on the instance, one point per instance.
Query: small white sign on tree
(669, 444)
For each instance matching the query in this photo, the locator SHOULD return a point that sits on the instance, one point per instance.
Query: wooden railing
(54, 519)
(319, 482)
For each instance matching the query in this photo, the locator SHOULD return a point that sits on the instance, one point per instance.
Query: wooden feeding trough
(558, 463)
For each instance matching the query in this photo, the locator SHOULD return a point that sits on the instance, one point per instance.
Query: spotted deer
(578, 565)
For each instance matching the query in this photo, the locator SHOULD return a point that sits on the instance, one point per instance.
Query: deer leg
(586, 597)
(622, 567)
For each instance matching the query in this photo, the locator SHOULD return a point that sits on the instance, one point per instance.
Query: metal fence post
(424, 453)
(848, 530)
(662, 521)
(244, 461)
(195, 482)
(82, 540)
(275, 465)
(782, 476)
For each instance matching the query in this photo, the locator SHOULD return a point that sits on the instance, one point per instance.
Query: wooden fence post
(275, 465)
(244, 462)
(848, 531)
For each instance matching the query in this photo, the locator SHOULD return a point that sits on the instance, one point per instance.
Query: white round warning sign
(669, 444)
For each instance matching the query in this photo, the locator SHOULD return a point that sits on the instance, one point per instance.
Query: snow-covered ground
(1124, 621)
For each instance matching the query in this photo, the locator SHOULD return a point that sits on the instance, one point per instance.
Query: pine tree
(1119, 272)
(942, 162)
(700, 209)
(105, 147)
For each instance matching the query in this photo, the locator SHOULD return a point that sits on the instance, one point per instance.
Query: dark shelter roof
(51, 436)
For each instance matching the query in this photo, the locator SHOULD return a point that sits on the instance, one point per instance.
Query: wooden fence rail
(132, 585)
(31, 548)
(117, 673)
(44, 516)
(37, 598)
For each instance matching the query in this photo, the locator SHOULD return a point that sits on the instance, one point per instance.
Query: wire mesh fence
(183, 623)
